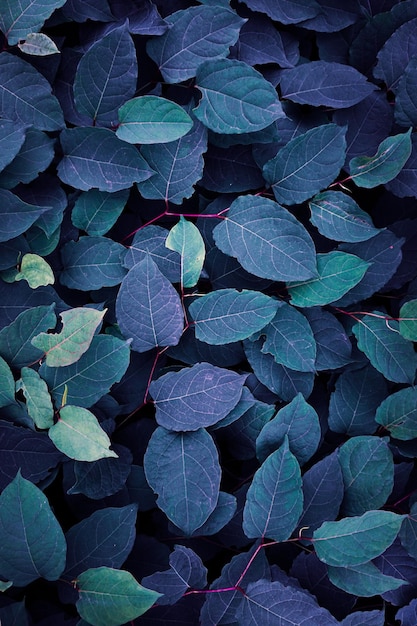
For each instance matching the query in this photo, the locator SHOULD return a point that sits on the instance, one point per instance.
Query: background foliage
(208, 309)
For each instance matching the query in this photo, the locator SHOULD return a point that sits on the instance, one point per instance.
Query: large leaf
(227, 315)
(33, 157)
(183, 469)
(396, 53)
(195, 397)
(398, 414)
(17, 20)
(333, 345)
(32, 544)
(91, 263)
(405, 110)
(12, 136)
(364, 580)
(16, 216)
(148, 308)
(151, 240)
(104, 477)
(185, 238)
(236, 98)
(96, 211)
(195, 34)
(307, 164)
(95, 157)
(267, 240)
(274, 501)
(287, 11)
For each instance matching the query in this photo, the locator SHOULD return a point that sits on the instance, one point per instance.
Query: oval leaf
(408, 320)
(185, 238)
(398, 414)
(364, 580)
(38, 400)
(38, 44)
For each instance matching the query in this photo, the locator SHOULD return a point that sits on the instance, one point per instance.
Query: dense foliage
(208, 309)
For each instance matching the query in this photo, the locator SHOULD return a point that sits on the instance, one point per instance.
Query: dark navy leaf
(322, 83)
(231, 169)
(387, 162)
(195, 397)
(307, 164)
(396, 561)
(287, 12)
(222, 514)
(398, 414)
(83, 10)
(183, 469)
(103, 477)
(144, 18)
(151, 240)
(405, 183)
(333, 345)
(96, 211)
(16, 215)
(395, 55)
(148, 309)
(226, 272)
(405, 110)
(33, 157)
(241, 435)
(190, 351)
(335, 15)
(12, 136)
(365, 618)
(261, 42)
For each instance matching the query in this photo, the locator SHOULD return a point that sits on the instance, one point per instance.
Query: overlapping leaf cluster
(208, 309)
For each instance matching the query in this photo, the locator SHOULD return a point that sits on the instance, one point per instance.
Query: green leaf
(19, 19)
(38, 44)
(391, 156)
(387, 350)
(96, 211)
(151, 119)
(7, 386)
(355, 540)
(338, 272)
(66, 347)
(228, 315)
(38, 400)
(32, 544)
(364, 580)
(398, 414)
(36, 271)
(236, 98)
(307, 164)
(408, 320)
(185, 239)
(274, 501)
(110, 597)
(79, 435)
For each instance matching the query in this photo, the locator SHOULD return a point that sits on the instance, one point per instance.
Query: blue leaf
(190, 351)
(405, 110)
(16, 215)
(365, 618)
(240, 436)
(33, 157)
(405, 183)
(332, 343)
(12, 136)
(261, 42)
(334, 16)
(395, 55)
(220, 517)
(408, 614)
(151, 240)
(83, 10)
(287, 11)
(396, 562)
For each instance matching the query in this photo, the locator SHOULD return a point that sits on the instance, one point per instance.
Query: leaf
(395, 54)
(32, 544)
(260, 42)
(365, 618)
(324, 83)
(390, 158)
(227, 315)
(185, 239)
(7, 386)
(398, 414)
(96, 211)
(66, 347)
(38, 44)
(286, 12)
(354, 541)
(337, 216)
(109, 597)
(307, 164)
(148, 309)
(38, 400)
(408, 320)
(28, 16)
(16, 216)
(183, 469)
(92, 263)
(387, 350)
(364, 580)
(104, 477)
(220, 517)
(236, 98)
(274, 501)
(106, 76)
(195, 397)
(408, 532)
(79, 436)
(12, 136)
(407, 614)
(36, 271)
(405, 109)
(266, 240)
(338, 272)
(332, 343)
(25, 95)
(151, 240)
(151, 119)
(194, 35)
(95, 157)
(240, 436)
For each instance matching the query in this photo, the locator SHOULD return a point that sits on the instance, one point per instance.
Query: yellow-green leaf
(36, 271)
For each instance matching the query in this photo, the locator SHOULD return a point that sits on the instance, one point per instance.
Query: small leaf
(185, 238)
(110, 597)
(150, 119)
(27, 16)
(36, 271)
(388, 161)
(38, 400)
(398, 414)
(96, 211)
(79, 436)
(38, 44)
(408, 320)
(66, 347)
(364, 580)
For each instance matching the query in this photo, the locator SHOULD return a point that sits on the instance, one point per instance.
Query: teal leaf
(38, 399)
(364, 580)
(96, 211)
(16, 215)
(38, 44)
(151, 119)
(306, 164)
(78, 434)
(391, 156)
(185, 238)
(151, 240)
(12, 136)
(267, 240)
(368, 474)
(194, 35)
(110, 597)
(92, 263)
(33, 157)
(106, 76)
(398, 414)
(26, 96)
(148, 309)
(338, 272)
(235, 98)
(7, 386)
(408, 532)
(337, 216)
(387, 350)
(95, 157)
(290, 340)
(105, 362)
(356, 540)
(300, 423)
(195, 397)
(32, 544)
(183, 469)
(228, 315)
(408, 320)
(27, 16)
